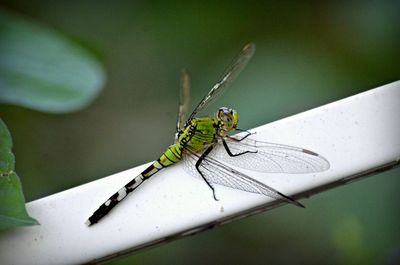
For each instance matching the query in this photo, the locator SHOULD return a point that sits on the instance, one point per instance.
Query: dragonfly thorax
(227, 120)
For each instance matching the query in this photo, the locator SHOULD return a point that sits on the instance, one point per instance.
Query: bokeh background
(308, 54)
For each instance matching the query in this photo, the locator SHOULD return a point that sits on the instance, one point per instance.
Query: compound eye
(224, 110)
(221, 113)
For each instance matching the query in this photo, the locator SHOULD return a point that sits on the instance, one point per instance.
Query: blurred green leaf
(42, 70)
(12, 202)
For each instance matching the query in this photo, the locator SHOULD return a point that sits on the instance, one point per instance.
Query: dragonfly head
(228, 119)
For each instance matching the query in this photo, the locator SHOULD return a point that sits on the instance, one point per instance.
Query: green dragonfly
(205, 146)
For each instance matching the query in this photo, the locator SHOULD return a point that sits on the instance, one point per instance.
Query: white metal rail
(359, 136)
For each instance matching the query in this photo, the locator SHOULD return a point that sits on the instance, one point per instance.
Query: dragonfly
(207, 148)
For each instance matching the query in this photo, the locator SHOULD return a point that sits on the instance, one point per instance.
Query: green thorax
(195, 136)
(198, 133)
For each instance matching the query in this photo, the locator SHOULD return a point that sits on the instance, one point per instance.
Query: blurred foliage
(12, 206)
(41, 70)
(308, 54)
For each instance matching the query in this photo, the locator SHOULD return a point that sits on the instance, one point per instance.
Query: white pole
(359, 136)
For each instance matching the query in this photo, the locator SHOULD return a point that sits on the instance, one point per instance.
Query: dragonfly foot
(215, 197)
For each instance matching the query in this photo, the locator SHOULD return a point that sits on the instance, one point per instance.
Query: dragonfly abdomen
(172, 155)
(106, 207)
(169, 157)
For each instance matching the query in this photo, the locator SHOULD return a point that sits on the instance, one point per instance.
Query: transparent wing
(270, 157)
(230, 75)
(184, 98)
(218, 173)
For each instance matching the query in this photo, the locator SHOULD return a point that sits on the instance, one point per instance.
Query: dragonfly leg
(208, 150)
(244, 137)
(232, 154)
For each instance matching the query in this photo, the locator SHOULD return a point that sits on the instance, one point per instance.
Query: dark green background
(307, 55)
